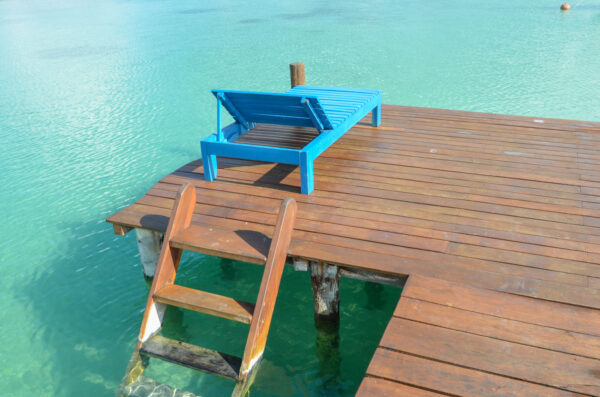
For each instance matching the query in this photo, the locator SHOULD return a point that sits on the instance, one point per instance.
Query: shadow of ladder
(240, 245)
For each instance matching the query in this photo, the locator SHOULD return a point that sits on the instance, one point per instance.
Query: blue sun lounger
(332, 111)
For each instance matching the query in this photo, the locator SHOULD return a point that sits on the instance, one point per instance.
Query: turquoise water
(98, 100)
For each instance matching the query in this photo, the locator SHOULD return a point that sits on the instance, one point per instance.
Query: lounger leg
(210, 164)
(376, 116)
(306, 173)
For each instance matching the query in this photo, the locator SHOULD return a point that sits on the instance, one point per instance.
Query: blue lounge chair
(332, 111)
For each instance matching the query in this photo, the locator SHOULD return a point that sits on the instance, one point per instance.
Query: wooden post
(297, 74)
(326, 291)
(325, 281)
(149, 244)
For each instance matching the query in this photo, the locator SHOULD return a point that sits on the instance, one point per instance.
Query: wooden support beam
(380, 278)
(149, 244)
(325, 281)
(297, 74)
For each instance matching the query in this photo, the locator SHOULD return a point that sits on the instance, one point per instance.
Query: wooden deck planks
(505, 210)
(449, 338)
(408, 203)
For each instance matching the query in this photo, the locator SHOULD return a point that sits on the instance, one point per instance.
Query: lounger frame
(320, 107)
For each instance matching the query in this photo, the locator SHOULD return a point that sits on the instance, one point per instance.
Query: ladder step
(205, 302)
(191, 356)
(148, 387)
(241, 245)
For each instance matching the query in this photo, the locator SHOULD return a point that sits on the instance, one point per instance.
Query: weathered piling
(149, 244)
(325, 281)
(297, 74)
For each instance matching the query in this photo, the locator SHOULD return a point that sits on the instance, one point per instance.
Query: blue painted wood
(307, 179)
(331, 110)
(209, 161)
(272, 108)
(250, 152)
(376, 116)
(313, 116)
(219, 129)
(232, 109)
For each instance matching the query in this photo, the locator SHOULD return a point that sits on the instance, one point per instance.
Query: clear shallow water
(98, 100)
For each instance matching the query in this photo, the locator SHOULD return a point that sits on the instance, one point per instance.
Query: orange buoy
(565, 7)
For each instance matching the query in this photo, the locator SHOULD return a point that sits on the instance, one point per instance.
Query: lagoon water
(98, 100)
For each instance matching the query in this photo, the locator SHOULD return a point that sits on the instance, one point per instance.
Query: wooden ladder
(240, 245)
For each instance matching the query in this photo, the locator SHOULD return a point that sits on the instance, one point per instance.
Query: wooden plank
(192, 356)
(508, 306)
(559, 370)
(239, 244)
(414, 211)
(411, 182)
(396, 245)
(381, 387)
(386, 237)
(452, 380)
(384, 206)
(205, 302)
(478, 235)
(350, 199)
(499, 328)
(349, 256)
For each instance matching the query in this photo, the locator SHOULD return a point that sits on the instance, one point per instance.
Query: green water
(98, 100)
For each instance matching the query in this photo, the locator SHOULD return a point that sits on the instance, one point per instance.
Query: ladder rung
(206, 302)
(191, 356)
(242, 245)
(148, 387)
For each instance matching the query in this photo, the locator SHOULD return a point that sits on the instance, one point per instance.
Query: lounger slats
(338, 103)
(272, 108)
(331, 110)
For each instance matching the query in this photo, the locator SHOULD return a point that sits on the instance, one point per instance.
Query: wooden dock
(495, 218)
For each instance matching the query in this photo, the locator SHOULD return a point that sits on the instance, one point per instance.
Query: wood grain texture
(494, 201)
(205, 302)
(192, 356)
(451, 339)
(242, 245)
(269, 287)
(168, 261)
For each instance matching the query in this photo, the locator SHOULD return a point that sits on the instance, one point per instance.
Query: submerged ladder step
(191, 356)
(205, 302)
(242, 245)
(148, 387)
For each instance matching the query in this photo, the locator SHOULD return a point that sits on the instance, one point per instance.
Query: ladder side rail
(168, 261)
(265, 303)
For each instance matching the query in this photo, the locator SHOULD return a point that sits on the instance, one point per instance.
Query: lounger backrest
(274, 108)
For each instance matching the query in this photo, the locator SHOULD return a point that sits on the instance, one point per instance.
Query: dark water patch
(252, 20)
(193, 11)
(316, 12)
(77, 52)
